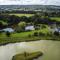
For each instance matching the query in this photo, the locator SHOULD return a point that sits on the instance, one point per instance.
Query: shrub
(43, 26)
(35, 33)
(56, 33)
(8, 34)
(41, 34)
(0, 32)
(29, 35)
(49, 34)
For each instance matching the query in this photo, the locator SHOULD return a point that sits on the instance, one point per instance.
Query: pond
(50, 49)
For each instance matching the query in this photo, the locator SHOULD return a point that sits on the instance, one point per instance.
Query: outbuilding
(31, 27)
(8, 30)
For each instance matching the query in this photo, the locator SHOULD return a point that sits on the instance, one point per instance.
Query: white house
(27, 28)
(57, 30)
(8, 29)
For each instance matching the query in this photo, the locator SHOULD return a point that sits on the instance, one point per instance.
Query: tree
(1, 25)
(56, 33)
(24, 18)
(35, 33)
(21, 27)
(8, 34)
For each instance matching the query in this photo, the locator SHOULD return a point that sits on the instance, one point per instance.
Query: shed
(8, 29)
(27, 28)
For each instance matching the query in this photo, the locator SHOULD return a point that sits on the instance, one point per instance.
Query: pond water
(50, 49)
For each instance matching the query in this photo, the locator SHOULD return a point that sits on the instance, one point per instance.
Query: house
(57, 30)
(8, 30)
(28, 28)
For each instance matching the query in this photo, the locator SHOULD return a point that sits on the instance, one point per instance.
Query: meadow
(29, 15)
(28, 36)
(20, 15)
(56, 18)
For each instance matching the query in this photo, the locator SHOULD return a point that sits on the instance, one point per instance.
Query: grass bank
(27, 36)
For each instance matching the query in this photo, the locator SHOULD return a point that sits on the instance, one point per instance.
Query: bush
(8, 34)
(41, 34)
(43, 26)
(29, 35)
(0, 32)
(49, 34)
(35, 33)
(56, 33)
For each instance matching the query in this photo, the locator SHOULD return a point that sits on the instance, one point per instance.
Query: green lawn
(27, 36)
(28, 15)
(23, 36)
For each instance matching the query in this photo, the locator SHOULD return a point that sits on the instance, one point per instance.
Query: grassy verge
(27, 56)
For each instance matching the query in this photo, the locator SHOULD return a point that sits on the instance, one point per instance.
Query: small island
(27, 56)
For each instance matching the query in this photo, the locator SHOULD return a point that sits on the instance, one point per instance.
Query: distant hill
(30, 7)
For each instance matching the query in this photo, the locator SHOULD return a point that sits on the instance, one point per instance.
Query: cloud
(30, 2)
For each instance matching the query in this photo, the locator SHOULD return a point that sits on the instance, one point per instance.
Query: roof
(29, 28)
(57, 29)
(8, 29)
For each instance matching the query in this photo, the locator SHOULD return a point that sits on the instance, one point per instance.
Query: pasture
(56, 18)
(20, 15)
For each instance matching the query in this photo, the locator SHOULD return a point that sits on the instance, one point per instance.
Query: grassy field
(27, 56)
(28, 15)
(27, 36)
(20, 37)
(55, 18)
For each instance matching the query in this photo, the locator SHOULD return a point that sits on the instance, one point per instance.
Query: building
(57, 30)
(8, 30)
(28, 28)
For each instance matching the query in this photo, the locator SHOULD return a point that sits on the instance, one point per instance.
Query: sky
(29, 2)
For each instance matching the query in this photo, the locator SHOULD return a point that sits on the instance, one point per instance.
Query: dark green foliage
(29, 35)
(1, 25)
(35, 33)
(8, 34)
(41, 34)
(56, 33)
(43, 26)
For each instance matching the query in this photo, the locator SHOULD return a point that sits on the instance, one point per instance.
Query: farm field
(28, 15)
(20, 15)
(55, 18)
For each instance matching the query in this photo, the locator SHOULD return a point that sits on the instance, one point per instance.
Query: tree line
(36, 19)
